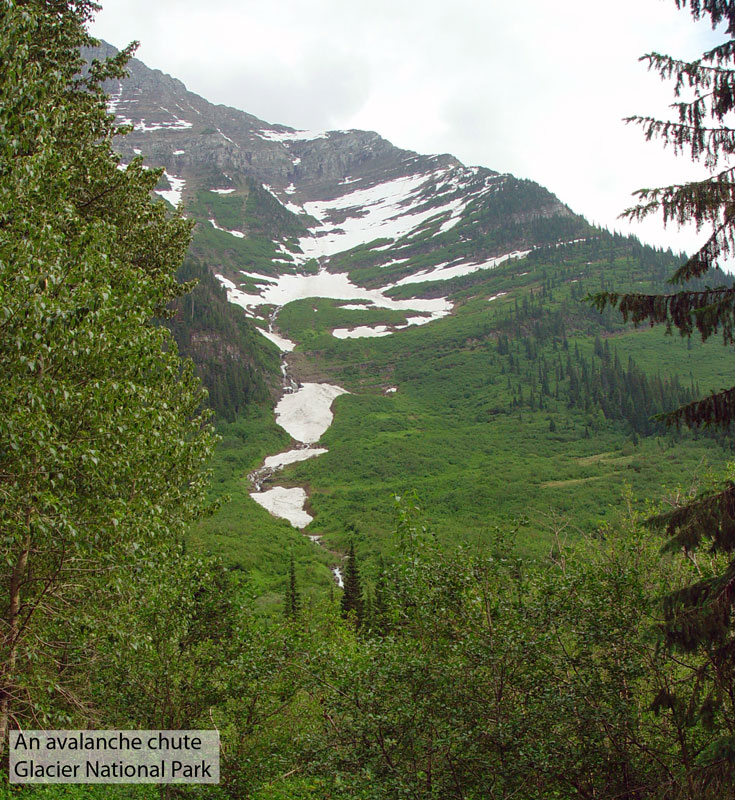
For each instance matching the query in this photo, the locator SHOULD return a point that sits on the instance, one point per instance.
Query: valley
(439, 311)
(358, 462)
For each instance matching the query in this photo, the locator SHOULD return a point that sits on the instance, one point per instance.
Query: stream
(304, 412)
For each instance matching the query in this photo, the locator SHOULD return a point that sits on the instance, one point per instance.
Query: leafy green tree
(699, 615)
(103, 447)
(163, 659)
(512, 678)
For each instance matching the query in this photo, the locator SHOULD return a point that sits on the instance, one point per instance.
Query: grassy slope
(450, 431)
(243, 534)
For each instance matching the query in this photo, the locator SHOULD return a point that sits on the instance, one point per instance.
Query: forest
(599, 664)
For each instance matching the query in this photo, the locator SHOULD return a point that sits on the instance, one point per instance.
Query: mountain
(443, 307)
(334, 192)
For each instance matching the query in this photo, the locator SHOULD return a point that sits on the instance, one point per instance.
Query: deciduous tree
(103, 445)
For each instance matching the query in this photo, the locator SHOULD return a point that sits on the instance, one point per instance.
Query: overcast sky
(536, 88)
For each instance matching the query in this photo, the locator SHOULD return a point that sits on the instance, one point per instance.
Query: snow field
(287, 504)
(307, 413)
(173, 195)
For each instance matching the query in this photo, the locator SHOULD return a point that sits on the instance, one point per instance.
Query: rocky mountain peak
(273, 203)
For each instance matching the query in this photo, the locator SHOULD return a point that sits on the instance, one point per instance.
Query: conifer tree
(700, 616)
(351, 603)
(292, 606)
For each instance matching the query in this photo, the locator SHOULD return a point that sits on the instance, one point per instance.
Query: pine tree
(352, 604)
(292, 606)
(699, 616)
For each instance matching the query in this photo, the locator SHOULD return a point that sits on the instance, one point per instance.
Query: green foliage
(468, 426)
(351, 603)
(67, 791)
(698, 616)
(496, 677)
(237, 365)
(103, 444)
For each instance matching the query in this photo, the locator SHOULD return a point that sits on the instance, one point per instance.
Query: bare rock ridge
(215, 147)
(232, 140)
(275, 206)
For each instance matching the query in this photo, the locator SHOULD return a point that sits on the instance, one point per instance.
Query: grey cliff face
(269, 198)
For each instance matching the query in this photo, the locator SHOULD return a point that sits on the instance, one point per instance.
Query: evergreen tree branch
(700, 202)
(709, 516)
(717, 10)
(719, 244)
(703, 142)
(716, 409)
(708, 311)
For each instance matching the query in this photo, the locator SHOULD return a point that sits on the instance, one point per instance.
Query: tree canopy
(103, 444)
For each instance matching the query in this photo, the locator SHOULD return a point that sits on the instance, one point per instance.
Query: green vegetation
(699, 615)
(254, 212)
(238, 366)
(104, 446)
(245, 536)
(503, 637)
(498, 405)
(484, 675)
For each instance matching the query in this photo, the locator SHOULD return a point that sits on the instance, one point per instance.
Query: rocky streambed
(305, 412)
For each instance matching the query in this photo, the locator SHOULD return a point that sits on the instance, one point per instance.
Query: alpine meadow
(399, 474)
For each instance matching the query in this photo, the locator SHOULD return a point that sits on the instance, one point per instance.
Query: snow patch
(173, 195)
(281, 342)
(222, 191)
(306, 414)
(227, 138)
(238, 234)
(113, 99)
(361, 332)
(444, 272)
(291, 136)
(287, 504)
(176, 125)
(226, 282)
(394, 262)
(418, 321)
(292, 456)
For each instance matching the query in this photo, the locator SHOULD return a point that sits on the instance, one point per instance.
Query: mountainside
(336, 192)
(436, 308)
